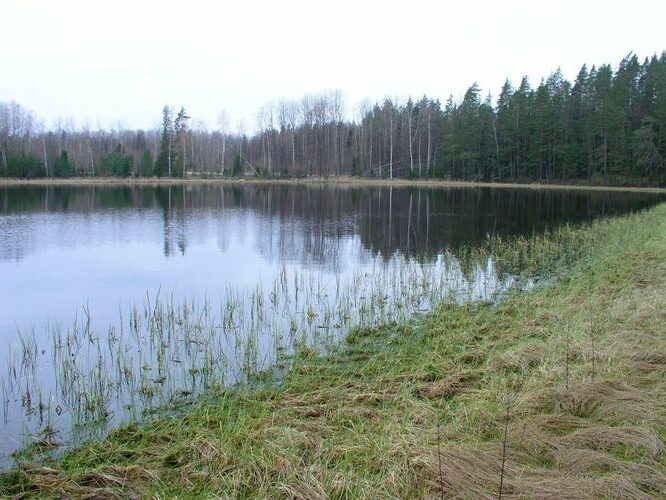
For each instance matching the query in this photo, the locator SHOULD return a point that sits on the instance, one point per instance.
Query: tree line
(607, 126)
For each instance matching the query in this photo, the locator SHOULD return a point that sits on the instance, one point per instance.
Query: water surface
(116, 299)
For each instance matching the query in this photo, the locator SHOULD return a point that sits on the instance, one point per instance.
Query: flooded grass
(163, 352)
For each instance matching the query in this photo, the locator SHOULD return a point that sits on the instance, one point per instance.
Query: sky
(116, 64)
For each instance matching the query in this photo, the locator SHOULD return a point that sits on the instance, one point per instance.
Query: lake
(119, 300)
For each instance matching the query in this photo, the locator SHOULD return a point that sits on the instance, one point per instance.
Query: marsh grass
(416, 408)
(163, 352)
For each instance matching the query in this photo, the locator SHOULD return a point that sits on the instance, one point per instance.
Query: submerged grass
(476, 400)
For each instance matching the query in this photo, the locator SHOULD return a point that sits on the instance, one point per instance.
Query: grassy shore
(557, 392)
(331, 181)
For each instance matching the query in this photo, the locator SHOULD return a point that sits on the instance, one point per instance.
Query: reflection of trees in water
(173, 200)
(307, 224)
(427, 221)
(303, 225)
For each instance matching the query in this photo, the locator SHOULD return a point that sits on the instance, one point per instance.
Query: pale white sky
(121, 61)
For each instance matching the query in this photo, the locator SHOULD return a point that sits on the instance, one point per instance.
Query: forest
(608, 126)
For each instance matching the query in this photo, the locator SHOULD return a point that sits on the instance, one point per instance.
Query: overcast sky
(107, 63)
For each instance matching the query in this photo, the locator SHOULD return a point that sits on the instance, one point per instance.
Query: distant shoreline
(332, 181)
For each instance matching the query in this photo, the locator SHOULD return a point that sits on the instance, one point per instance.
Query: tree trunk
(224, 150)
(46, 158)
(3, 153)
(293, 152)
(169, 157)
(429, 144)
(411, 141)
(391, 147)
(92, 160)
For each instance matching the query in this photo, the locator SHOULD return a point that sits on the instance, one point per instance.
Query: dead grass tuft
(607, 486)
(446, 387)
(580, 462)
(289, 438)
(309, 488)
(652, 360)
(114, 476)
(560, 424)
(472, 472)
(638, 439)
(520, 360)
(464, 469)
(611, 399)
(110, 482)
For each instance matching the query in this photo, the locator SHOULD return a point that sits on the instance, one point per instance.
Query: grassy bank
(556, 392)
(331, 181)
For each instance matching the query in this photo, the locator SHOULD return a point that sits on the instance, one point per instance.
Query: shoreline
(561, 388)
(330, 181)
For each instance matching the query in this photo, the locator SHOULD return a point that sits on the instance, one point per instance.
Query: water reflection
(298, 223)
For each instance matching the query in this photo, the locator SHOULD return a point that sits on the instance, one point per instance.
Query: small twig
(509, 404)
(591, 331)
(439, 459)
(506, 431)
(566, 361)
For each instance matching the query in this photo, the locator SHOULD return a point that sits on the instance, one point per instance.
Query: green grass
(369, 420)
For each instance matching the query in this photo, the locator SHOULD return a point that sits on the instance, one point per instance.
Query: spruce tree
(180, 132)
(164, 156)
(64, 167)
(146, 168)
(505, 132)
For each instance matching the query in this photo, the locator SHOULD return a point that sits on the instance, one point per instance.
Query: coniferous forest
(608, 126)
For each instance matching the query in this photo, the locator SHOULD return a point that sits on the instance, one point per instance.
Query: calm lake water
(117, 300)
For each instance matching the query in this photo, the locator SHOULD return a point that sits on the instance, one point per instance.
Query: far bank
(342, 181)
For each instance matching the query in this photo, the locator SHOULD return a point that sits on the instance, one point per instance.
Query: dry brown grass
(611, 399)
(521, 359)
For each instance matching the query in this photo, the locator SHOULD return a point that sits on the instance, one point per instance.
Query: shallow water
(116, 300)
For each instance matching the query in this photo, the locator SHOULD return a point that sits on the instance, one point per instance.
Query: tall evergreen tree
(505, 132)
(163, 162)
(180, 134)
(522, 113)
